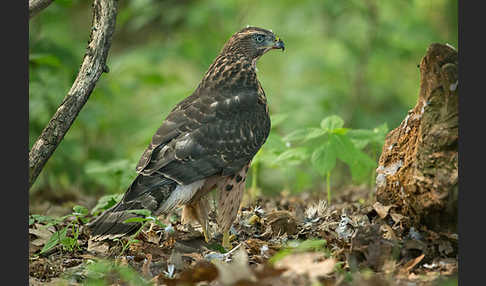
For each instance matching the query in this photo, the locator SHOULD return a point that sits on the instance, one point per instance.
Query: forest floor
(282, 240)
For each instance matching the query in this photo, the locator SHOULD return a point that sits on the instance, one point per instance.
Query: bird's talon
(207, 238)
(227, 238)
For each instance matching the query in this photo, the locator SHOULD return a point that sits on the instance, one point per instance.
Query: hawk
(206, 142)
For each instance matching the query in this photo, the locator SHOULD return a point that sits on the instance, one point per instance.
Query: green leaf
(136, 219)
(311, 244)
(68, 243)
(293, 156)
(296, 135)
(274, 142)
(106, 202)
(345, 149)
(131, 276)
(299, 246)
(362, 166)
(142, 212)
(361, 137)
(279, 255)
(313, 133)
(340, 131)
(217, 247)
(46, 219)
(332, 122)
(358, 162)
(159, 223)
(305, 134)
(80, 210)
(324, 158)
(54, 240)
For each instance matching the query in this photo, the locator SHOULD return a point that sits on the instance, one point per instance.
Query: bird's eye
(259, 38)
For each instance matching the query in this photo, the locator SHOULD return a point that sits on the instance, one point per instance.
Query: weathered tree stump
(418, 167)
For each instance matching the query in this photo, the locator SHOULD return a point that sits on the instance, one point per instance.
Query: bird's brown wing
(208, 134)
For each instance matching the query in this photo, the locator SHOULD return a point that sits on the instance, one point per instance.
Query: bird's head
(253, 42)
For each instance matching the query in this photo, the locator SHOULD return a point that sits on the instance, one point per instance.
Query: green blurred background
(356, 59)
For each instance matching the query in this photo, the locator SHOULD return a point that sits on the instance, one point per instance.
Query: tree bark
(93, 65)
(418, 167)
(35, 6)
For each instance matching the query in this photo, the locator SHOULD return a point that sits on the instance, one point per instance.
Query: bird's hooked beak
(279, 44)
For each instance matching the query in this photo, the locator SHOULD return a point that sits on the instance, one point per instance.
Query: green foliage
(61, 237)
(114, 175)
(146, 217)
(47, 220)
(331, 142)
(353, 58)
(106, 202)
(103, 272)
(217, 247)
(325, 145)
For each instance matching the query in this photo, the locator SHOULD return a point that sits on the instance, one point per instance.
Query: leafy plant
(47, 220)
(104, 272)
(329, 142)
(144, 220)
(267, 154)
(69, 243)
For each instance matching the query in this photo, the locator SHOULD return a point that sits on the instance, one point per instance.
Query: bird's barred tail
(146, 192)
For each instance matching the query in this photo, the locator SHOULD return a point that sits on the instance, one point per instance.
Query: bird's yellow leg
(226, 240)
(206, 234)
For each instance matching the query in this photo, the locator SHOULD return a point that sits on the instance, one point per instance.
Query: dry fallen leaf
(202, 271)
(237, 270)
(281, 222)
(313, 264)
(388, 232)
(151, 236)
(411, 264)
(98, 247)
(42, 232)
(146, 266)
(381, 209)
(397, 218)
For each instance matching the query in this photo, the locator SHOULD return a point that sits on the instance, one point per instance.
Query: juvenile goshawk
(206, 142)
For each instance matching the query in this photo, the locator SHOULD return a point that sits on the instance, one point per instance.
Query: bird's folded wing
(207, 135)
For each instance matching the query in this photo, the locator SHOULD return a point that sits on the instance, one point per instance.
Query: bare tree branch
(35, 6)
(94, 64)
